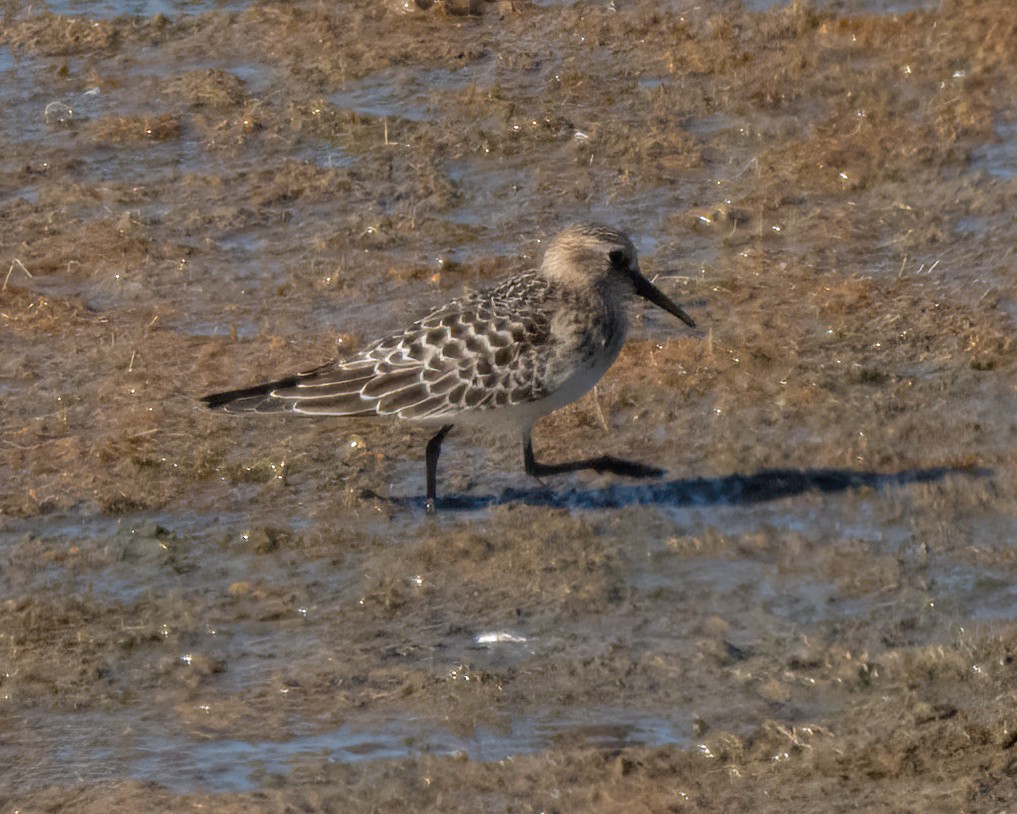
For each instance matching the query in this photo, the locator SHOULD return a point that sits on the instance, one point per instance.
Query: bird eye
(619, 258)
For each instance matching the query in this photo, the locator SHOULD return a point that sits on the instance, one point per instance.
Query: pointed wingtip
(246, 399)
(215, 400)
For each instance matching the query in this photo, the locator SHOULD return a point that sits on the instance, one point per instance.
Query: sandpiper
(500, 357)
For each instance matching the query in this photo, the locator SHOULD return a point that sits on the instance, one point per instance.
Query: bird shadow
(729, 490)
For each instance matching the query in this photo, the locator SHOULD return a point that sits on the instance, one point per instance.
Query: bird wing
(481, 351)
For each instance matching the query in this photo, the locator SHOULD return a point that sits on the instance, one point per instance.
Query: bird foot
(605, 463)
(627, 469)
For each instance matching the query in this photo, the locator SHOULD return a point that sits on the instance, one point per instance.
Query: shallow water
(82, 745)
(222, 608)
(108, 9)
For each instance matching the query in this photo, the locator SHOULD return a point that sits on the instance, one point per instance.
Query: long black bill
(644, 288)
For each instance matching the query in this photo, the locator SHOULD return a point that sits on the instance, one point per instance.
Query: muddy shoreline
(814, 608)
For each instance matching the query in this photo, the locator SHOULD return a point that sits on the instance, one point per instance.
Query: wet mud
(814, 609)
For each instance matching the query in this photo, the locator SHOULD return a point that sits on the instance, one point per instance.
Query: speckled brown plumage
(509, 354)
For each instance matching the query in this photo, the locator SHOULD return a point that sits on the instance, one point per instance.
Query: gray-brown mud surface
(815, 610)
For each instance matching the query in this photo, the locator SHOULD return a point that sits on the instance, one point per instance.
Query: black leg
(431, 457)
(605, 463)
(529, 464)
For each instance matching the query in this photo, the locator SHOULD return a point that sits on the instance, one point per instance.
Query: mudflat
(815, 609)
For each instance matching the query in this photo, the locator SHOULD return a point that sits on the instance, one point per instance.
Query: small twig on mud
(674, 275)
(30, 447)
(903, 263)
(141, 434)
(20, 265)
(794, 733)
(599, 412)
